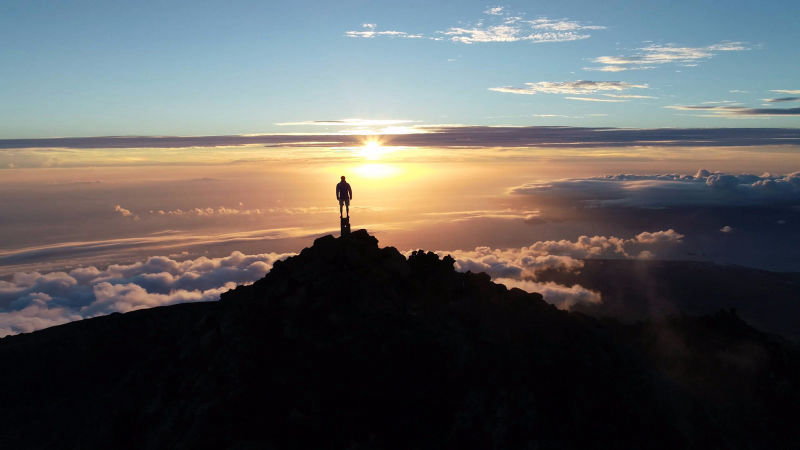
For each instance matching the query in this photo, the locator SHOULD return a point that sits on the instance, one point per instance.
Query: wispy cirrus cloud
(736, 111)
(498, 25)
(781, 99)
(786, 91)
(370, 30)
(568, 87)
(594, 99)
(361, 126)
(627, 96)
(651, 56)
(353, 122)
(512, 28)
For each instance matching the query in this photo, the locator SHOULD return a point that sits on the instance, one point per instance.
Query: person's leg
(347, 204)
(340, 208)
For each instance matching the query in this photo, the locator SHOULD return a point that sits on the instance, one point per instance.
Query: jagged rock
(348, 345)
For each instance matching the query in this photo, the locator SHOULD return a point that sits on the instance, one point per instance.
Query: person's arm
(350, 191)
(337, 192)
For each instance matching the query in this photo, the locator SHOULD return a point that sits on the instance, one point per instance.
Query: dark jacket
(343, 191)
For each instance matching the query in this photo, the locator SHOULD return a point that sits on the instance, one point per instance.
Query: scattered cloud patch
(370, 30)
(568, 87)
(594, 99)
(613, 68)
(122, 211)
(726, 229)
(498, 25)
(125, 212)
(786, 91)
(502, 26)
(495, 11)
(651, 56)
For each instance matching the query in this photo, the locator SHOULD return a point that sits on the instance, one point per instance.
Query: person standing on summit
(344, 194)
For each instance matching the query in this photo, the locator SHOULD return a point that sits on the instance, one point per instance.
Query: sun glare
(373, 170)
(372, 150)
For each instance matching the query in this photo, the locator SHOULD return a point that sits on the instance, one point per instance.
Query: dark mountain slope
(637, 290)
(351, 346)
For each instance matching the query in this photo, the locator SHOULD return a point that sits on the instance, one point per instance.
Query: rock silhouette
(352, 346)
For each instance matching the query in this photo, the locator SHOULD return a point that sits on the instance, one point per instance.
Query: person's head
(342, 177)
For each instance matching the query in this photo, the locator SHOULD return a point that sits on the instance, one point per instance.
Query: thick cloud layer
(450, 137)
(32, 300)
(656, 191)
(519, 267)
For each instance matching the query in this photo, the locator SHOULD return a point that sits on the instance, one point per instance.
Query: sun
(372, 150)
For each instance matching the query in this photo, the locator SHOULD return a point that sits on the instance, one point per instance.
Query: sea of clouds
(32, 300)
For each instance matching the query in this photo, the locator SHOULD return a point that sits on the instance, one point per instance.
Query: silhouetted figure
(344, 194)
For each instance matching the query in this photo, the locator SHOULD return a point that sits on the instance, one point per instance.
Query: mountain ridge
(349, 345)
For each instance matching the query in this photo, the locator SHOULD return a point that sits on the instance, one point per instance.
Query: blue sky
(73, 68)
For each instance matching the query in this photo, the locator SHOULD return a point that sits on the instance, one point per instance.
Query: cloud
(564, 297)
(670, 190)
(446, 136)
(505, 27)
(125, 212)
(737, 111)
(354, 122)
(200, 212)
(781, 99)
(496, 11)
(613, 68)
(508, 214)
(369, 31)
(568, 87)
(33, 300)
(498, 25)
(726, 229)
(593, 99)
(628, 96)
(520, 267)
(785, 91)
(651, 56)
(226, 211)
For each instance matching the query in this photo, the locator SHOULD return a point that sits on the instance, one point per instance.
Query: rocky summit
(352, 346)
